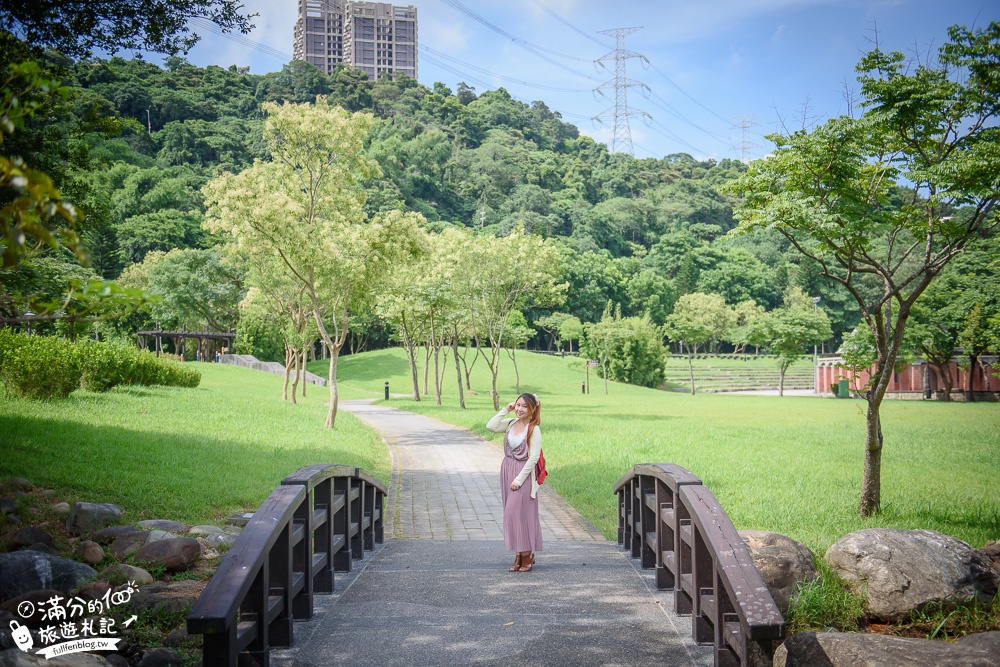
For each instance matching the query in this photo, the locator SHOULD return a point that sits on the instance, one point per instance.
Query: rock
(174, 555)
(15, 657)
(7, 506)
(19, 483)
(783, 563)
(160, 657)
(41, 547)
(95, 590)
(23, 537)
(23, 571)
(127, 544)
(116, 660)
(106, 536)
(85, 517)
(157, 535)
(90, 552)
(850, 649)
(220, 539)
(904, 570)
(204, 530)
(167, 598)
(992, 551)
(176, 637)
(120, 573)
(37, 599)
(61, 509)
(239, 519)
(164, 524)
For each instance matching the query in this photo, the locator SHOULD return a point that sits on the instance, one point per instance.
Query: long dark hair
(535, 409)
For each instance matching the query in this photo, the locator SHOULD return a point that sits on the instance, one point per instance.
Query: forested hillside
(134, 143)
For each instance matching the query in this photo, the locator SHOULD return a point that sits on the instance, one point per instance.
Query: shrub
(106, 365)
(147, 369)
(9, 341)
(41, 367)
(176, 374)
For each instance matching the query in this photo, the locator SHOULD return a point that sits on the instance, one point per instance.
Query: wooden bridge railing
(674, 524)
(318, 521)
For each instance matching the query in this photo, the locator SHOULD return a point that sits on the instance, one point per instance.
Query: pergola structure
(208, 341)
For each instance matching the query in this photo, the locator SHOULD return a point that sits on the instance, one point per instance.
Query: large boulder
(850, 649)
(174, 555)
(85, 517)
(38, 599)
(25, 537)
(903, 570)
(127, 543)
(783, 563)
(24, 571)
(167, 598)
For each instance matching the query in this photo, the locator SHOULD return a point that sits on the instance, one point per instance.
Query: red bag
(540, 472)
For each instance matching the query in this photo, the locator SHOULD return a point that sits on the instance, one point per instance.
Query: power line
(621, 138)
(534, 49)
(439, 54)
(551, 13)
(744, 124)
(242, 41)
(685, 93)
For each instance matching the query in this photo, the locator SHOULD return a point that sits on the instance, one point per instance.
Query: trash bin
(844, 389)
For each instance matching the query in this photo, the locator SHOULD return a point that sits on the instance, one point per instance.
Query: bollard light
(387, 390)
(583, 387)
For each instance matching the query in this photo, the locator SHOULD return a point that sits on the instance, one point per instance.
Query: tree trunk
(427, 365)
(288, 370)
(411, 357)
(295, 362)
(691, 369)
(973, 362)
(871, 483)
(517, 374)
(782, 367)
(304, 371)
(458, 369)
(331, 416)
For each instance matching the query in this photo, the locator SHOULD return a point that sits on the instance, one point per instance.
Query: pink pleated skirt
(522, 530)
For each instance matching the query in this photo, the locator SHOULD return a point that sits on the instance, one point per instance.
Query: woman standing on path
(522, 445)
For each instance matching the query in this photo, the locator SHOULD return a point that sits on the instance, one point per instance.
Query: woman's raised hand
(510, 406)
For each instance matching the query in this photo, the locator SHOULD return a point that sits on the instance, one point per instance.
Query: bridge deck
(440, 593)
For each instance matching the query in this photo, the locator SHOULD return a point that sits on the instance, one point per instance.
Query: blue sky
(713, 64)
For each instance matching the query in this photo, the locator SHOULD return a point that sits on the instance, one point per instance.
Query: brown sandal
(527, 562)
(516, 567)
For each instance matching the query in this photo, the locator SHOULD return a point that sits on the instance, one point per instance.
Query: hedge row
(50, 367)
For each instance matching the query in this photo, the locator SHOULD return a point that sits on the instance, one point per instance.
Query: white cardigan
(500, 425)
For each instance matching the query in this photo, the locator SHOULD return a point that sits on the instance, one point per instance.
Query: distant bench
(672, 523)
(321, 519)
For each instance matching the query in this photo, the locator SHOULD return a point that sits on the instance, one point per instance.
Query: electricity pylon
(620, 112)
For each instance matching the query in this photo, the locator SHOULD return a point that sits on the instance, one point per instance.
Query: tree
(197, 287)
(691, 323)
(306, 208)
(500, 275)
(515, 335)
(638, 356)
(796, 324)
(77, 28)
(926, 134)
(571, 329)
(550, 324)
(603, 338)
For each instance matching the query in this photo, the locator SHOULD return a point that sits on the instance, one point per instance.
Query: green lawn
(791, 465)
(186, 454)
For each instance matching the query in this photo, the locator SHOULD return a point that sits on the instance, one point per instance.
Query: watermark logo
(72, 625)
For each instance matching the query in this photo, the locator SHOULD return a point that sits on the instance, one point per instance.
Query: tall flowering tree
(304, 208)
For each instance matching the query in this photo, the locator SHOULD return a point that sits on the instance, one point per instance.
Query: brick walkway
(446, 483)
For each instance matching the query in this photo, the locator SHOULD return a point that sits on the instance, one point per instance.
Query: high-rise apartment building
(376, 37)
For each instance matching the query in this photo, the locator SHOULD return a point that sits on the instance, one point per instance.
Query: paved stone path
(440, 593)
(446, 483)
